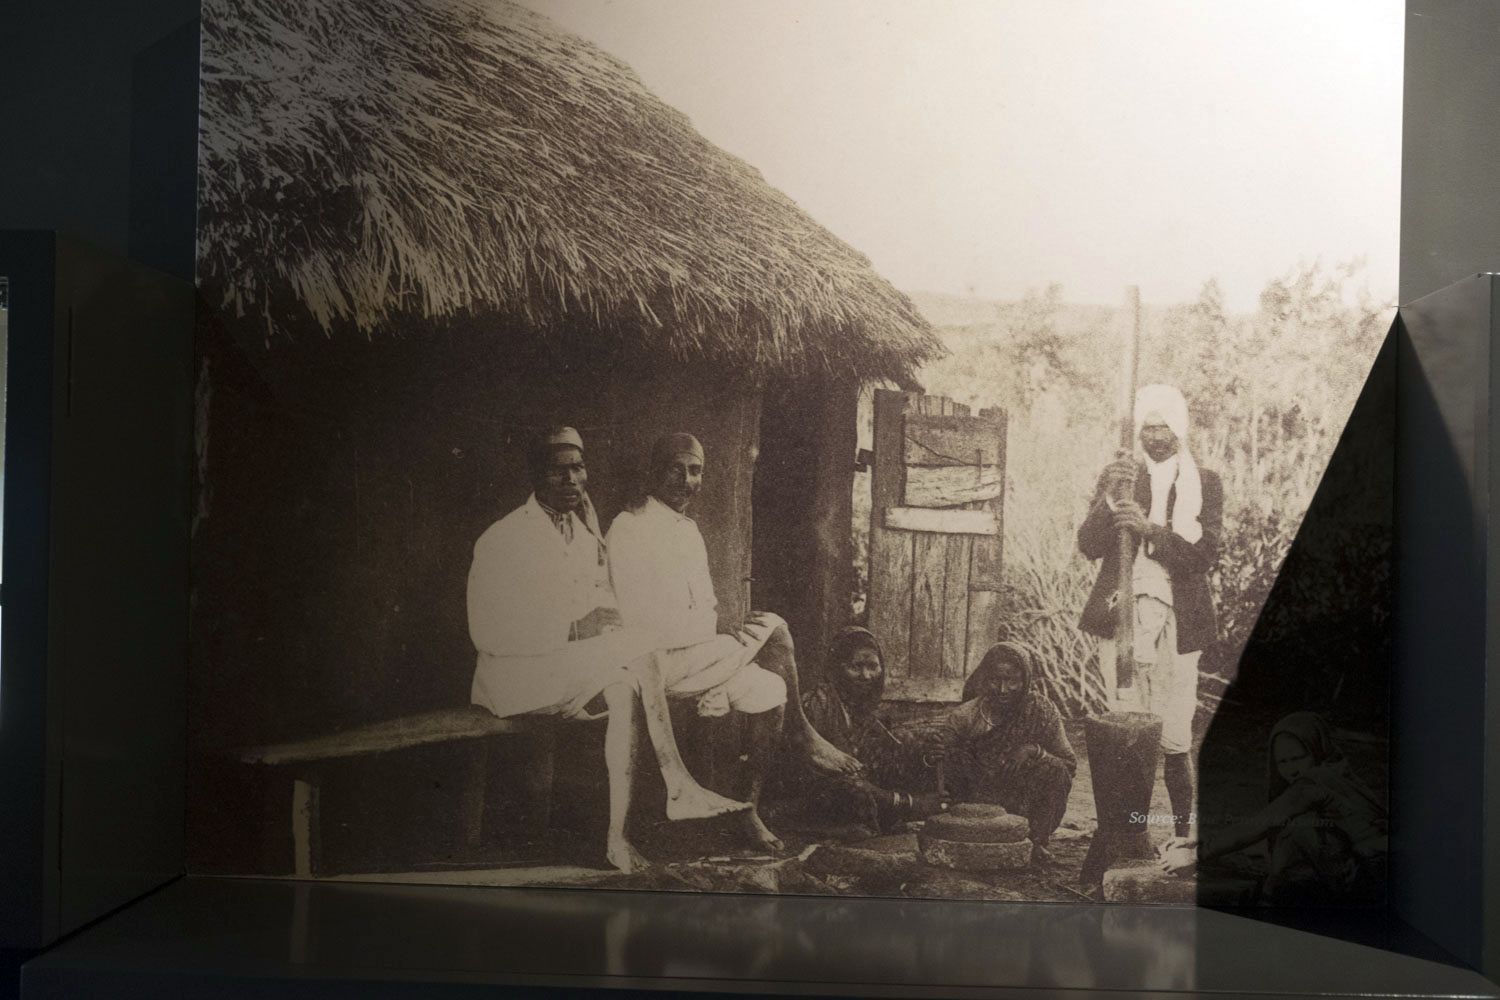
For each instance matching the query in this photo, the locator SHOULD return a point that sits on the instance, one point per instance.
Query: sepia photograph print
(856, 447)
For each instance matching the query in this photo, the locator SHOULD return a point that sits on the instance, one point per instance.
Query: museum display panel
(337, 476)
(97, 446)
(396, 678)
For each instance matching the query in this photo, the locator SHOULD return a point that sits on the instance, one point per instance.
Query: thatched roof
(384, 165)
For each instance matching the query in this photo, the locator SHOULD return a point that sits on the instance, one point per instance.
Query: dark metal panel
(1442, 506)
(120, 576)
(28, 778)
(1450, 206)
(1490, 788)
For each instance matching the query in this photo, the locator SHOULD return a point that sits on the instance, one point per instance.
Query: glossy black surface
(250, 938)
(99, 459)
(28, 834)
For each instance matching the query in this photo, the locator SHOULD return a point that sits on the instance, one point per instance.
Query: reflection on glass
(4, 392)
(4, 386)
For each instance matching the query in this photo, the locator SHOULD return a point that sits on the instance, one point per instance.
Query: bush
(1269, 395)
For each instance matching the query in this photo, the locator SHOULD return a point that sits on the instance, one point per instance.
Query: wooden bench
(303, 761)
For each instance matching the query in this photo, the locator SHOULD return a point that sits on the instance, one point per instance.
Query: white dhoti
(658, 566)
(1166, 681)
(722, 673)
(557, 682)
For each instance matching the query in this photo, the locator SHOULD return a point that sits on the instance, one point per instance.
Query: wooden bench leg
(540, 772)
(307, 847)
(471, 813)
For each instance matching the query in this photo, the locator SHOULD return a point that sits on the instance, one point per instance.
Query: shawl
(844, 644)
(1330, 769)
(1179, 471)
(1033, 717)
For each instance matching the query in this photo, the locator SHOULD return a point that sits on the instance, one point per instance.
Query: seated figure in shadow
(1324, 830)
(844, 708)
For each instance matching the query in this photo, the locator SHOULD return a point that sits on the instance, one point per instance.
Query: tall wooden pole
(1125, 586)
(1123, 747)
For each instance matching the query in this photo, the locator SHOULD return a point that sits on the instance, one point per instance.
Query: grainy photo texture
(791, 448)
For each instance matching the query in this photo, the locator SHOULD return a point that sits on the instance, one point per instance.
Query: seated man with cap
(659, 568)
(544, 621)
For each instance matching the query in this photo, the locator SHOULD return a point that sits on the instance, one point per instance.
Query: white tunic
(527, 586)
(659, 568)
(658, 565)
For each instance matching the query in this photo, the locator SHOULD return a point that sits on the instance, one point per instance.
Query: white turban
(1166, 403)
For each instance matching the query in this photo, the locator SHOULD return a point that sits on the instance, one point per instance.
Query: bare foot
(693, 801)
(623, 855)
(825, 756)
(759, 834)
(1041, 857)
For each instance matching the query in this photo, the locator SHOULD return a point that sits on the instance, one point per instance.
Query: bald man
(659, 569)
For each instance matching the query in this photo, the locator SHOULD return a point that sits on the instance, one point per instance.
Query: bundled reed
(390, 166)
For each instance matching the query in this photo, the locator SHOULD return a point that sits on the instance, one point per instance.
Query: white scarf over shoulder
(1168, 404)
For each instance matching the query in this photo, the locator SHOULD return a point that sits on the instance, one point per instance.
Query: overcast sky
(991, 146)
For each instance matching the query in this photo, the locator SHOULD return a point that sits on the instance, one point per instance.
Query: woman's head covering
(841, 650)
(1027, 718)
(989, 666)
(1179, 472)
(1330, 768)
(850, 638)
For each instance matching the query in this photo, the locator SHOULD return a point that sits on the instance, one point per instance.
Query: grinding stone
(967, 857)
(1002, 829)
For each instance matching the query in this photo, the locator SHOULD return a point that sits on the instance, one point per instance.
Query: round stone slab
(970, 829)
(977, 810)
(966, 857)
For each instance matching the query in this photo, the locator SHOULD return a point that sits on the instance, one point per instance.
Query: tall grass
(1269, 394)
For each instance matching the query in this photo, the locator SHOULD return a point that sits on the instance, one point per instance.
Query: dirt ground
(734, 869)
(710, 856)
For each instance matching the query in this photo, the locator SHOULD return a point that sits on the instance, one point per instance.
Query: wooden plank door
(936, 530)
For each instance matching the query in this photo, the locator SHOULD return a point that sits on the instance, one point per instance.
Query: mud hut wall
(343, 485)
(346, 484)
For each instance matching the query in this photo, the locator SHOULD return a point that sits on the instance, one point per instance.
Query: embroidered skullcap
(551, 440)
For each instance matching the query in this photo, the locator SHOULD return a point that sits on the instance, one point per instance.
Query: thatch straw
(387, 164)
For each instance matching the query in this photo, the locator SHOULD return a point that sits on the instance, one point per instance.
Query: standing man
(548, 634)
(1176, 518)
(659, 568)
